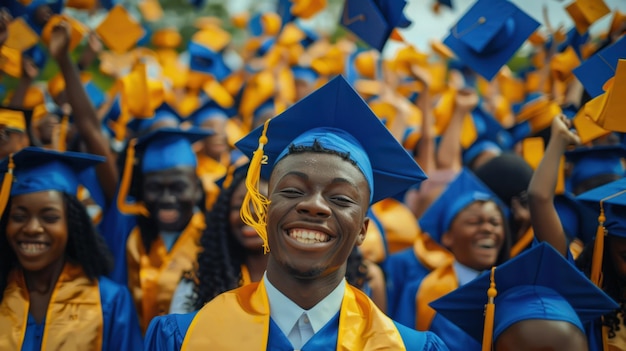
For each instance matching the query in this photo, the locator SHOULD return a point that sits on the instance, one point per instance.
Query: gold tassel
(7, 182)
(598, 250)
(136, 208)
(254, 207)
(490, 310)
(62, 142)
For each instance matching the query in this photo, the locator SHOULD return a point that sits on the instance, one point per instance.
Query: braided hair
(85, 247)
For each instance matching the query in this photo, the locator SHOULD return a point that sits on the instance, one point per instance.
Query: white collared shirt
(298, 324)
(464, 274)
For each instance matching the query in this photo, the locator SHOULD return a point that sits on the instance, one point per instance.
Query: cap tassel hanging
(598, 250)
(124, 207)
(254, 208)
(7, 182)
(490, 310)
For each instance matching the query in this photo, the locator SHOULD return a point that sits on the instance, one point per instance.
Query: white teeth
(309, 237)
(486, 243)
(33, 248)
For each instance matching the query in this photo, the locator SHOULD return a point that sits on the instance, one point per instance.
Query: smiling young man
(160, 243)
(324, 172)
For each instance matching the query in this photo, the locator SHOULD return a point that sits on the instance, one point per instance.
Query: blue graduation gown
(168, 332)
(120, 330)
(401, 268)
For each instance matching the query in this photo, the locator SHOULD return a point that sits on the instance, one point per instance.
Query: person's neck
(256, 264)
(304, 292)
(42, 282)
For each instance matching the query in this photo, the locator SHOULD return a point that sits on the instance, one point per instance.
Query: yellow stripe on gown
(153, 277)
(74, 306)
(362, 326)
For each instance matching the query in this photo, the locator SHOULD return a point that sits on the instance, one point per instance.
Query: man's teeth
(33, 248)
(486, 243)
(307, 237)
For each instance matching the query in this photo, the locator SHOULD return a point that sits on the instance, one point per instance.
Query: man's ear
(361, 237)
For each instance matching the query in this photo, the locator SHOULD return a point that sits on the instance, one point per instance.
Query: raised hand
(562, 133)
(29, 68)
(466, 99)
(59, 40)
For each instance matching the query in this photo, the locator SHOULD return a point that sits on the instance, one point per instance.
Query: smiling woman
(53, 263)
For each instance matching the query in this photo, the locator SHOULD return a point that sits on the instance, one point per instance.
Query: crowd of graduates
(149, 215)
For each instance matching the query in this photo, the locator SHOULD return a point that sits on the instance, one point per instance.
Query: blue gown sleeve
(415, 340)
(121, 326)
(405, 313)
(115, 228)
(167, 332)
(400, 268)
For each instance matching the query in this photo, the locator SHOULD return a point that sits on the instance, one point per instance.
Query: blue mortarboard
(488, 35)
(488, 128)
(573, 39)
(283, 9)
(600, 67)
(209, 110)
(30, 10)
(306, 74)
(37, 169)
(464, 190)
(613, 198)
(164, 113)
(96, 95)
(168, 148)
(374, 20)
(203, 59)
(38, 54)
(578, 221)
(537, 284)
(595, 161)
(338, 118)
(477, 148)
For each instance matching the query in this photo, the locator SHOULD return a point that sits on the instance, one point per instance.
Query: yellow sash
(245, 275)
(73, 320)
(218, 325)
(153, 277)
(436, 284)
(430, 253)
(210, 170)
(400, 224)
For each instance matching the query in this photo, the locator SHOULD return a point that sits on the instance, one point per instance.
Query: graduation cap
(119, 31)
(488, 35)
(338, 119)
(307, 8)
(35, 169)
(595, 161)
(578, 220)
(205, 52)
(159, 150)
(537, 284)
(30, 12)
(464, 190)
(77, 30)
(586, 12)
(606, 110)
(374, 20)
(206, 112)
(599, 68)
(165, 115)
(13, 119)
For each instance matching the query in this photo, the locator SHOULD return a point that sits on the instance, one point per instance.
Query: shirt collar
(285, 313)
(464, 274)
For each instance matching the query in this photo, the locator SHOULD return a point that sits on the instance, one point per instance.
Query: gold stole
(210, 170)
(218, 325)
(153, 277)
(73, 320)
(400, 224)
(245, 275)
(430, 253)
(435, 285)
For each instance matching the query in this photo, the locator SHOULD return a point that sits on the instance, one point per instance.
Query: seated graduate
(536, 301)
(55, 295)
(324, 173)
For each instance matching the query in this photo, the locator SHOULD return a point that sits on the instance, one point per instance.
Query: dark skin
(542, 335)
(86, 119)
(171, 195)
(320, 195)
(11, 141)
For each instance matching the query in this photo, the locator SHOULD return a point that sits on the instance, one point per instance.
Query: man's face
(316, 215)
(171, 195)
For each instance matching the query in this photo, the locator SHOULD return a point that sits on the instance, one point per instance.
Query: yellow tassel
(136, 208)
(490, 310)
(254, 208)
(62, 142)
(598, 249)
(5, 192)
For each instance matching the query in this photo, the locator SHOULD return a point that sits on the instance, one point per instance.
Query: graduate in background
(53, 263)
(324, 176)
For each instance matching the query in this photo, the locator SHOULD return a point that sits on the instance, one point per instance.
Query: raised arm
(84, 113)
(544, 218)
